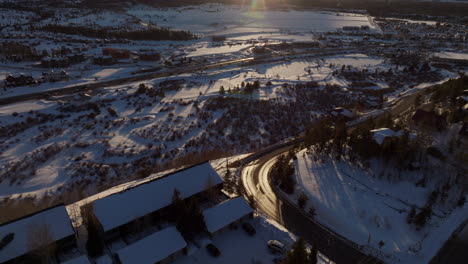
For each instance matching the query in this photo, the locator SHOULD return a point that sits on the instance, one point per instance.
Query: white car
(276, 246)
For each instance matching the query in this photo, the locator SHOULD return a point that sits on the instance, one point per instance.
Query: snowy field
(167, 123)
(237, 247)
(368, 210)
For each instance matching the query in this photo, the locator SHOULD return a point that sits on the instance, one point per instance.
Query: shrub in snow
(312, 211)
(302, 200)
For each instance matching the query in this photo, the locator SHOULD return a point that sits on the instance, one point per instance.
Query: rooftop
(225, 213)
(123, 207)
(153, 248)
(55, 219)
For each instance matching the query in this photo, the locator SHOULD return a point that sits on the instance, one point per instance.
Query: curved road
(256, 185)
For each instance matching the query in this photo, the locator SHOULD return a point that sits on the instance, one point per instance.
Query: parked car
(276, 246)
(249, 229)
(213, 250)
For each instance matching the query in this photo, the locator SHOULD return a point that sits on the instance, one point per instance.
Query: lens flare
(255, 7)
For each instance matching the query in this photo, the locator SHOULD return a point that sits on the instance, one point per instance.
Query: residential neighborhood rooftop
(225, 213)
(153, 248)
(121, 208)
(56, 219)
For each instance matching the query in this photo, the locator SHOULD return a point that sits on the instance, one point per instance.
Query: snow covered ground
(238, 247)
(154, 122)
(368, 210)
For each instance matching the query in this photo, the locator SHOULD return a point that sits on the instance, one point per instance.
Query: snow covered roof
(55, 218)
(225, 213)
(79, 260)
(342, 111)
(153, 248)
(381, 133)
(452, 55)
(120, 208)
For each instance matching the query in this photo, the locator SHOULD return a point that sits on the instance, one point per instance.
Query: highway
(169, 72)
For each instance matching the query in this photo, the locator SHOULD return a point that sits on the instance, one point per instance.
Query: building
(54, 76)
(104, 60)
(122, 213)
(56, 62)
(116, 53)
(225, 214)
(340, 113)
(218, 38)
(161, 247)
(76, 58)
(31, 232)
(149, 55)
(381, 134)
(20, 80)
(451, 57)
(351, 28)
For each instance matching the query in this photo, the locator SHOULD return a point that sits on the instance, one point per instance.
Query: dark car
(249, 229)
(213, 250)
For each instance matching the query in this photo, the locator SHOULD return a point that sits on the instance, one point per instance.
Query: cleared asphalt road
(256, 185)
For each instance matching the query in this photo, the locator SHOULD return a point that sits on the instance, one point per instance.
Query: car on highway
(249, 229)
(213, 250)
(276, 247)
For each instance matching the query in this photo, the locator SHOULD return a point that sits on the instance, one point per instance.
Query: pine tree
(298, 253)
(312, 256)
(256, 84)
(221, 90)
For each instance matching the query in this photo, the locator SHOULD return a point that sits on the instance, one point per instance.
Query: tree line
(143, 34)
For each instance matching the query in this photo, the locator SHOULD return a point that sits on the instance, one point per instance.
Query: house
(56, 62)
(149, 55)
(381, 134)
(161, 247)
(116, 53)
(76, 58)
(121, 213)
(451, 57)
(20, 80)
(225, 214)
(342, 113)
(54, 76)
(25, 235)
(104, 60)
(429, 119)
(351, 28)
(260, 49)
(218, 38)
